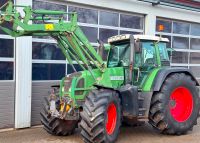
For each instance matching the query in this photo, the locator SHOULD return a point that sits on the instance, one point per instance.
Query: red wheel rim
(181, 104)
(111, 118)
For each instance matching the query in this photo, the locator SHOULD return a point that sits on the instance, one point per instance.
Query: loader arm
(70, 38)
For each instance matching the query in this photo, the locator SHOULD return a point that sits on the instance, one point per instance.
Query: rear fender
(164, 73)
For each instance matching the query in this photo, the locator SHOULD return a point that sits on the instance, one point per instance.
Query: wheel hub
(172, 103)
(111, 118)
(181, 104)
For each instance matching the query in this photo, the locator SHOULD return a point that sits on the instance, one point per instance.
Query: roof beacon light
(161, 27)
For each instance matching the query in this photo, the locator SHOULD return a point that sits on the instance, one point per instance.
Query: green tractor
(135, 84)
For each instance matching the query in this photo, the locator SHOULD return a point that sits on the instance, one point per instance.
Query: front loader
(136, 83)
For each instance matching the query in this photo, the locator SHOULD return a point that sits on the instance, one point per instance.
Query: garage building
(30, 65)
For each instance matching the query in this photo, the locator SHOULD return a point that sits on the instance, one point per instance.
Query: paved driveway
(143, 134)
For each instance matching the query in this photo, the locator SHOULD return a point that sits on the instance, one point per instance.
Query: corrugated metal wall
(39, 91)
(7, 103)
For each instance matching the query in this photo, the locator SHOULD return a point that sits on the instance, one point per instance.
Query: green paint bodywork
(102, 79)
(76, 47)
(149, 81)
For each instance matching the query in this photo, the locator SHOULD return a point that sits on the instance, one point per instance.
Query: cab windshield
(119, 55)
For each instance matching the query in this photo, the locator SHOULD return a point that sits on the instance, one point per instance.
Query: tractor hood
(77, 85)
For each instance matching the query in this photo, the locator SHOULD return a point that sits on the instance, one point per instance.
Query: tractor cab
(138, 54)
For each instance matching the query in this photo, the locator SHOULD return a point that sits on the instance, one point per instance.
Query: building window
(2, 2)
(48, 61)
(6, 48)
(95, 23)
(181, 28)
(102, 24)
(129, 32)
(104, 34)
(5, 24)
(185, 39)
(109, 18)
(91, 33)
(180, 42)
(6, 58)
(195, 43)
(131, 21)
(195, 29)
(46, 51)
(179, 57)
(194, 58)
(45, 71)
(6, 70)
(85, 15)
(70, 69)
(6, 52)
(167, 24)
(49, 6)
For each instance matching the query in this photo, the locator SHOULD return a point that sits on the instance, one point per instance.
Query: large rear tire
(101, 117)
(175, 108)
(56, 126)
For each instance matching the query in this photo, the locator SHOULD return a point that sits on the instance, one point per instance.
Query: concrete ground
(142, 134)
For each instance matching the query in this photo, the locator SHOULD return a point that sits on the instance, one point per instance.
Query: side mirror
(107, 47)
(103, 46)
(138, 47)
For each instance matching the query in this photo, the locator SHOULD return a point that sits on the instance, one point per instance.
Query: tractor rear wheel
(101, 117)
(56, 126)
(175, 108)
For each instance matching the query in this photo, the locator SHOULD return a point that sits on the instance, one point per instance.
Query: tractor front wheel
(101, 117)
(175, 108)
(56, 126)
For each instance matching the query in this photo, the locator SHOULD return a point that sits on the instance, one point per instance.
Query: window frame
(189, 36)
(42, 61)
(9, 59)
(98, 26)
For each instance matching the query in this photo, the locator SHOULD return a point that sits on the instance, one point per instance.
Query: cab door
(145, 62)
